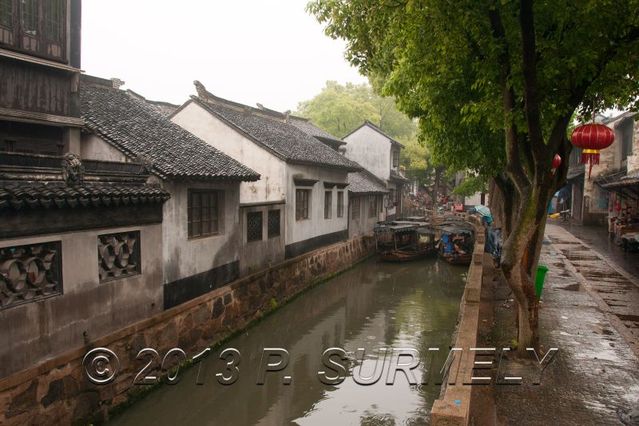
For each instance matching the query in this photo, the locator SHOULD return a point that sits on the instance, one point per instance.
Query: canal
(373, 305)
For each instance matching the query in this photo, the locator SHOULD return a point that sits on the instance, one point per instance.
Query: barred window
(340, 203)
(395, 159)
(355, 208)
(302, 201)
(273, 223)
(254, 226)
(119, 255)
(203, 213)
(328, 204)
(372, 205)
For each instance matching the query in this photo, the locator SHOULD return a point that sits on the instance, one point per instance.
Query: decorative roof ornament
(72, 169)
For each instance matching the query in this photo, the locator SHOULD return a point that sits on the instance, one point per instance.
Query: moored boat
(455, 242)
(404, 241)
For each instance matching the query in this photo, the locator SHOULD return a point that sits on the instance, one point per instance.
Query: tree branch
(529, 59)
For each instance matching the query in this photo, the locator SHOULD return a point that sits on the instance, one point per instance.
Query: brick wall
(58, 391)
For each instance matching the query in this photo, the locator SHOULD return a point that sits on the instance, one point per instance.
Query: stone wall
(58, 391)
(453, 405)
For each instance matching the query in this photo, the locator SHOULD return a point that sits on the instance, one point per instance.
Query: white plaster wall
(362, 224)
(371, 150)
(184, 257)
(86, 307)
(95, 148)
(271, 186)
(315, 225)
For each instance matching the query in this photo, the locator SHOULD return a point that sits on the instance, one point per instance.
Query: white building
(378, 153)
(301, 176)
(201, 244)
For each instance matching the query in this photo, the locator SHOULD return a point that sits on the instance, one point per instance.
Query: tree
(496, 83)
(339, 109)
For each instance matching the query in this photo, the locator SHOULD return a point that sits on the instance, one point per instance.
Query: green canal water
(374, 305)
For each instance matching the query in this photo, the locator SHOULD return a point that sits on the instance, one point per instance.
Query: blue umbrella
(485, 212)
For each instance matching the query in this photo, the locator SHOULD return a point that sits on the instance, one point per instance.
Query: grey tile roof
(275, 133)
(364, 182)
(308, 127)
(19, 195)
(139, 130)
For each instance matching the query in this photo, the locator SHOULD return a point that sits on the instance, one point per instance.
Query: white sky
(267, 51)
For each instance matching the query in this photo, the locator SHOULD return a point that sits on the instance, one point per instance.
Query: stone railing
(58, 391)
(453, 406)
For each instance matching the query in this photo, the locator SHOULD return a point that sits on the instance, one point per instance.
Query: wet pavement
(374, 305)
(594, 379)
(597, 238)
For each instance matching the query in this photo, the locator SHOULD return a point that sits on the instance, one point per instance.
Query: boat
(455, 242)
(403, 241)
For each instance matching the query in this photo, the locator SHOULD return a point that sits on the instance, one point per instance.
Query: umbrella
(483, 210)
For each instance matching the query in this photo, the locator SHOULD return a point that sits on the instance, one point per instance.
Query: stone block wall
(58, 391)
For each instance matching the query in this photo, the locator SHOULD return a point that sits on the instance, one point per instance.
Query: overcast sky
(266, 51)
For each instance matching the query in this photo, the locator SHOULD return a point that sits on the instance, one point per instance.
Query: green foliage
(443, 63)
(340, 109)
(471, 185)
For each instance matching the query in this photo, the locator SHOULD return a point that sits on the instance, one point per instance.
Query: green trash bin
(539, 279)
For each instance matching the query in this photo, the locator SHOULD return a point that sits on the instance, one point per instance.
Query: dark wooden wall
(34, 88)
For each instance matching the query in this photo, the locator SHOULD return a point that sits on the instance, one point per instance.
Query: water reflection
(371, 306)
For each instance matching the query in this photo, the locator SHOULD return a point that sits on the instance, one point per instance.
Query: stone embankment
(453, 406)
(58, 391)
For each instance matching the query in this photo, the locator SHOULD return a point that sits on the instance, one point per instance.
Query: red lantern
(592, 138)
(556, 162)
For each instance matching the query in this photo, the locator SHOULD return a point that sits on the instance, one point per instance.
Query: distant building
(201, 242)
(590, 198)
(303, 180)
(378, 153)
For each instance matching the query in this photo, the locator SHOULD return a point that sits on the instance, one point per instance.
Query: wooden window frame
(340, 203)
(328, 205)
(41, 43)
(214, 213)
(303, 203)
(395, 158)
(271, 233)
(356, 208)
(372, 206)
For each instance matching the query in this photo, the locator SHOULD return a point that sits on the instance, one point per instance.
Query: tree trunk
(520, 256)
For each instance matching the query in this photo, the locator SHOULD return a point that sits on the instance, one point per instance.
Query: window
(273, 223)
(36, 26)
(626, 130)
(391, 197)
(30, 17)
(355, 208)
(30, 272)
(380, 203)
(119, 255)
(395, 159)
(328, 204)
(254, 226)
(372, 205)
(54, 20)
(203, 213)
(340, 203)
(302, 201)
(6, 13)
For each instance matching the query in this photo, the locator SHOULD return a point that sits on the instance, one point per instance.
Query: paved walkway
(587, 311)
